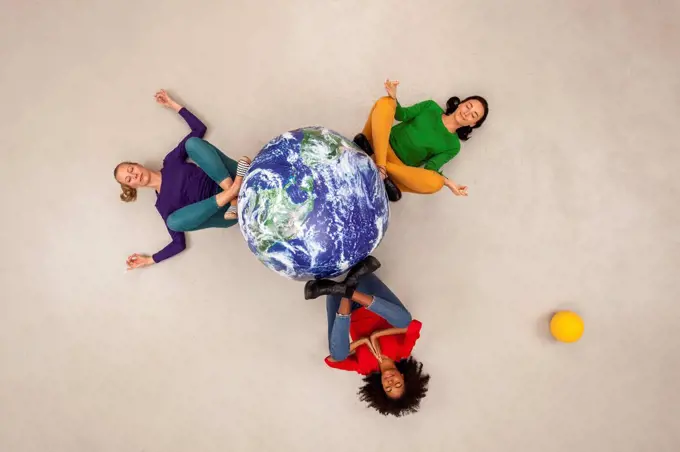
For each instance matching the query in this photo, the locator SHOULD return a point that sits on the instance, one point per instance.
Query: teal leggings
(205, 214)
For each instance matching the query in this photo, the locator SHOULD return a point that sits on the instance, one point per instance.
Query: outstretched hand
(163, 98)
(138, 261)
(458, 190)
(391, 88)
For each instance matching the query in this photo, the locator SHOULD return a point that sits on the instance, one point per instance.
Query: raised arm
(406, 113)
(198, 130)
(197, 127)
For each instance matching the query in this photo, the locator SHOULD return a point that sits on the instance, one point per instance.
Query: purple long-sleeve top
(182, 183)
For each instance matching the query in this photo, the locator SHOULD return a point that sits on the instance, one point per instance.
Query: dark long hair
(415, 388)
(454, 102)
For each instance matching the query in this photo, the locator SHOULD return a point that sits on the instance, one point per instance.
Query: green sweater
(421, 137)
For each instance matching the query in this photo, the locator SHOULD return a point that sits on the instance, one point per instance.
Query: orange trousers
(408, 178)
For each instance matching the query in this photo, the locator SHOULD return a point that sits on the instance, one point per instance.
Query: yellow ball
(566, 326)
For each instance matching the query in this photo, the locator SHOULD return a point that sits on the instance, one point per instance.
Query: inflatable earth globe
(312, 204)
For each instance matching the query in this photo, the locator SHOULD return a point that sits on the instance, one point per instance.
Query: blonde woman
(188, 197)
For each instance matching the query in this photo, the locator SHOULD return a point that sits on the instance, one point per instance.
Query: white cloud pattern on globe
(312, 204)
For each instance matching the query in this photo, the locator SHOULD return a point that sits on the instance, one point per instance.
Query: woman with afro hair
(372, 333)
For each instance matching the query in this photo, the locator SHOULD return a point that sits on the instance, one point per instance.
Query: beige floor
(573, 203)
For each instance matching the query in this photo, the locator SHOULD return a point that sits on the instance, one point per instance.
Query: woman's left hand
(163, 98)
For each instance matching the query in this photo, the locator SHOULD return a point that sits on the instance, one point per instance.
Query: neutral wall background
(573, 204)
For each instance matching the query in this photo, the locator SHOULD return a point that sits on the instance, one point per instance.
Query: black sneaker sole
(309, 291)
(371, 265)
(363, 143)
(393, 192)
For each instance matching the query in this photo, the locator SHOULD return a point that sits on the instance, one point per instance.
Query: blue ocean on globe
(312, 204)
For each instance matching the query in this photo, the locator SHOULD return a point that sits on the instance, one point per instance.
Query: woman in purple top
(189, 197)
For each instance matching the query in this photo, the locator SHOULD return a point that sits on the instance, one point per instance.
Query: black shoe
(393, 192)
(365, 145)
(318, 287)
(363, 268)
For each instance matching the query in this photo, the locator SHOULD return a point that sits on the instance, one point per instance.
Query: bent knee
(194, 145)
(404, 321)
(386, 103)
(177, 223)
(339, 355)
(432, 183)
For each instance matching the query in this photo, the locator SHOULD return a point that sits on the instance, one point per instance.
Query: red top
(397, 346)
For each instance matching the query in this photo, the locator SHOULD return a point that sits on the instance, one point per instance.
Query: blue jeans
(385, 304)
(205, 214)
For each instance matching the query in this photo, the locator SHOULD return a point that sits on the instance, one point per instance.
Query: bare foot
(224, 197)
(226, 183)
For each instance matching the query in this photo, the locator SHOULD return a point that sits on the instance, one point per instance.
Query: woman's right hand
(458, 190)
(138, 261)
(375, 347)
(391, 88)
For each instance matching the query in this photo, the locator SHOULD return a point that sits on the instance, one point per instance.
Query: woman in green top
(426, 137)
